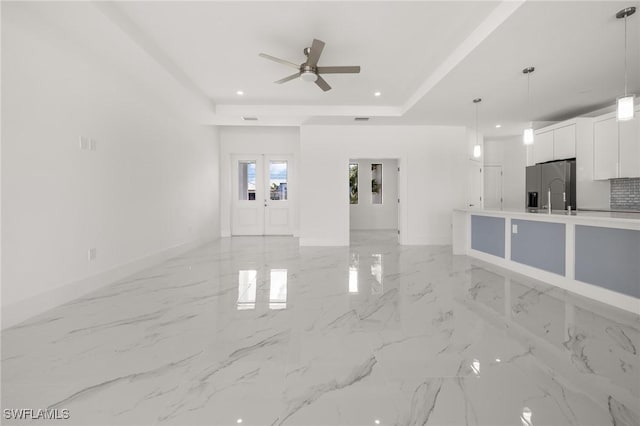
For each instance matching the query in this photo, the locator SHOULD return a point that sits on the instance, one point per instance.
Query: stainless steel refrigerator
(557, 177)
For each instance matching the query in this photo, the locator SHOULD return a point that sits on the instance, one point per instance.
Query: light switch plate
(514, 229)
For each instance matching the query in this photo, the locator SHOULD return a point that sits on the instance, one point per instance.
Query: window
(278, 180)
(353, 183)
(247, 180)
(376, 183)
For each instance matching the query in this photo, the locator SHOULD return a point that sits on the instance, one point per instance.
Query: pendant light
(624, 103)
(527, 136)
(477, 149)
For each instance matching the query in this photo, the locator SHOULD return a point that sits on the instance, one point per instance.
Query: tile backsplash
(625, 194)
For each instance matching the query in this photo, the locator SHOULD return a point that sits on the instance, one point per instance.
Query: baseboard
(320, 242)
(373, 229)
(18, 312)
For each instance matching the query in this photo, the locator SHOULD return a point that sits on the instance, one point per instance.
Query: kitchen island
(595, 254)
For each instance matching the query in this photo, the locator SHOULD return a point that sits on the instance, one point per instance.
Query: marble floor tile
(259, 331)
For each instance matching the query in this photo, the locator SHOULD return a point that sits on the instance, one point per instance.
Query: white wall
(256, 140)
(365, 214)
(432, 177)
(149, 188)
(511, 154)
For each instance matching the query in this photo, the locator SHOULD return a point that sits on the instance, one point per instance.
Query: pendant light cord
(477, 122)
(529, 96)
(625, 55)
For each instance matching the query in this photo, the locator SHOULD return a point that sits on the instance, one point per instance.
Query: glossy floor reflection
(261, 332)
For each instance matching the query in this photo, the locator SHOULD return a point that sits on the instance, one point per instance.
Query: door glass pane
(247, 180)
(353, 183)
(278, 180)
(278, 290)
(247, 289)
(376, 183)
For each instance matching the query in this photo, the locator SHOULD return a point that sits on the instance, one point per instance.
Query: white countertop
(628, 220)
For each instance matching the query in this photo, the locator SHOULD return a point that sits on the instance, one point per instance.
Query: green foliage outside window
(353, 183)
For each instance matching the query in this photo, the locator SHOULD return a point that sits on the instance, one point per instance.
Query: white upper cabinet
(564, 142)
(616, 147)
(605, 148)
(543, 147)
(629, 144)
(557, 143)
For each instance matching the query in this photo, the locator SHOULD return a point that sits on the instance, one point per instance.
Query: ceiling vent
(361, 119)
(250, 118)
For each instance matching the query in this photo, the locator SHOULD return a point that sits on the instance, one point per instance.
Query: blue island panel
(487, 234)
(609, 258)
(539, 244)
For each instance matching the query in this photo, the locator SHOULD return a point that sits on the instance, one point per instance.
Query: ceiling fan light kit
(308, 75)
(309, 70)
(625, 104)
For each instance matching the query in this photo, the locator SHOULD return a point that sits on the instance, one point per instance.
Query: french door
(261, 195)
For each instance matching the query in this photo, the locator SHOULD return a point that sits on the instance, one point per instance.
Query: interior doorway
(373, 194)
(261, 195)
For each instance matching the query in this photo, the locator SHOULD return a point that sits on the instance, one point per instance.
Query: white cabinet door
(605, 149)
(629, 139)
(564, 142)
(543, 147)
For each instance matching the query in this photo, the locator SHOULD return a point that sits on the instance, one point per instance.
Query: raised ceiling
(428, 59)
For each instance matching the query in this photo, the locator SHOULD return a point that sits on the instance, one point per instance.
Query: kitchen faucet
(564, 195)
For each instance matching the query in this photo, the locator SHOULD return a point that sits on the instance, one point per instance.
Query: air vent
(361, 119)
(250, 118)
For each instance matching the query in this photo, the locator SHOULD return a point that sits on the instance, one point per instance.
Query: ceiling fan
(309, 70)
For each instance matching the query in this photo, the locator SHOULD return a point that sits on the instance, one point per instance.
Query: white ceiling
(429, 59)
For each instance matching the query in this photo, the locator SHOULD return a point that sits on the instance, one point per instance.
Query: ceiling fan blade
(280, 61)
(314, 52)
(291, 77)
(321, 82)
(338, 70)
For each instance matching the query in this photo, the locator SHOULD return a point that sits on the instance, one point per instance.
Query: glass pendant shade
(625, 108)
(477, 151)
(527, 136)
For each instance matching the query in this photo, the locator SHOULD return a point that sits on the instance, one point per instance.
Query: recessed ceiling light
(376, 421)
(239, 93)
(239, 421)
(498, 126)
(376, 94)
